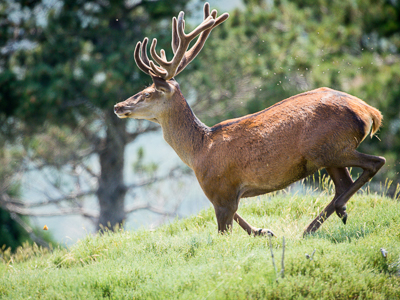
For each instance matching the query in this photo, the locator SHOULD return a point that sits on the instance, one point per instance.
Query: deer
(261, 152)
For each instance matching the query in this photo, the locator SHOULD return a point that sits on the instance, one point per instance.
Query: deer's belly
(274, 179)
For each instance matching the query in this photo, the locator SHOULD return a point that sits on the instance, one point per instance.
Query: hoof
(341, 212)
(264, 232)
(344, 219)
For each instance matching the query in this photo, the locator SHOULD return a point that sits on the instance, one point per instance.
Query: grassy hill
(187, 259)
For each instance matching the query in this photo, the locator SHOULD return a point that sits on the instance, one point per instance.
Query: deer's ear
(161, 84)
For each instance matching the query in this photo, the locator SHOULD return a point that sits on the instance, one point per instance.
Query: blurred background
(67, 162)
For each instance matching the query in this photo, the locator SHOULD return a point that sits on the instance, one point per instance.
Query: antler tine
(160, 72)
(175, 38)
(206, 10)
(163, 56)
(184, 40)
(139, 62)
(180, 43)
(206, 24)
(143, 62)
(196, 48)
(161, 60)
(145, 59)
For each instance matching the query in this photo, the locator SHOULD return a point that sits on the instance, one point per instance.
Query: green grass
(187, 259)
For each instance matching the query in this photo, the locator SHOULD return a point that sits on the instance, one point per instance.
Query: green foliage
(15, 241)
(140, 167)
(187, 259)
(9, 89)
(12, 234)
(54, 144)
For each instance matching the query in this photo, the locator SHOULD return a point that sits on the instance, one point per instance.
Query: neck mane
(183, 131)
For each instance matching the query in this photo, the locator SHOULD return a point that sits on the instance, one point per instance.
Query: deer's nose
(118, 108)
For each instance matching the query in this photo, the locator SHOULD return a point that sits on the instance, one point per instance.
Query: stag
(258, 153)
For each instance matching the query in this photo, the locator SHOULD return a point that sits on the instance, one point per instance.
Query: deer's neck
(183, 131)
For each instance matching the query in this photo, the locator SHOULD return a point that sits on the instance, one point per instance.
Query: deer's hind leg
(371, 165)
(342, 181)
(345, 187)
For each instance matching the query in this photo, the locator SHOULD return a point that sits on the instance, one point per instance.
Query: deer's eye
(147, 95)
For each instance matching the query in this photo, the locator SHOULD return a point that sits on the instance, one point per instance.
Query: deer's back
(301, 120)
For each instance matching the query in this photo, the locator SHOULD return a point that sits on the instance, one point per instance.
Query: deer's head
(150, 103)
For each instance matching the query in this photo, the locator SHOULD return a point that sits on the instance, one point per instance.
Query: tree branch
(157, 210)
(18, 207)
(38, 240)
(89, 170)
(60, 199)
(62, 212)
(5, 199)
(131, 136)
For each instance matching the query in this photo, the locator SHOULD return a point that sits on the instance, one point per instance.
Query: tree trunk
(111, 191)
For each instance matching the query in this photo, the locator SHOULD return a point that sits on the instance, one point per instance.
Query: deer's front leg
(224, 218)
(226, 213)
(251, 229)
